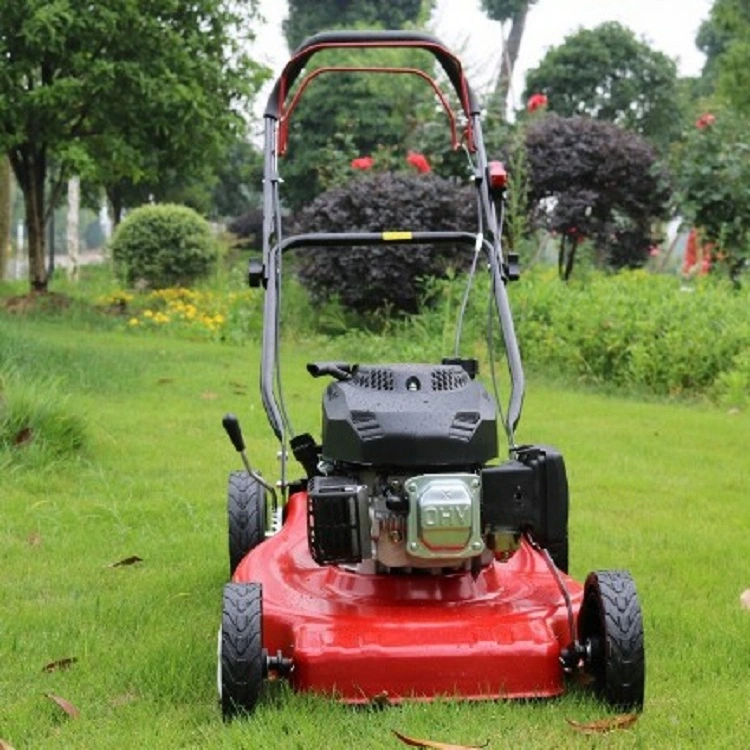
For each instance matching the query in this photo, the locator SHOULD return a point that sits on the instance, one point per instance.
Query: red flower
(419, 161)
(705, 121)
(363, 162)
(537, 101)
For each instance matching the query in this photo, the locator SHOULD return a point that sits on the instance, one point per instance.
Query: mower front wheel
(610, 629)
(246, 514)
(241, 658)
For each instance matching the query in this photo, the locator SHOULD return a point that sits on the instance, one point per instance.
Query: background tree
(307, 18)
(516, 12)
(714, 177)
(344, 116)
(730, 26)
(608, 74)
(99, 86)
(712, 41)
(594, 180)
(238, 180)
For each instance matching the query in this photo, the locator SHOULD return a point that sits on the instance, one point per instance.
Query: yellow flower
(148, 314)
(133, 322)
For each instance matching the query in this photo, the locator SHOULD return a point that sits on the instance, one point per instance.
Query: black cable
(491, 344)
(470, 279)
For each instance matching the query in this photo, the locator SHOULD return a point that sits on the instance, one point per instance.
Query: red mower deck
(358, 637)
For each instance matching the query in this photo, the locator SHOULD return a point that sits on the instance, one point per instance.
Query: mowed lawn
(660, 489)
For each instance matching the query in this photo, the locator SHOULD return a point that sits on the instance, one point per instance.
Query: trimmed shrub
(384, 276)
(163, 245)
(595, 180)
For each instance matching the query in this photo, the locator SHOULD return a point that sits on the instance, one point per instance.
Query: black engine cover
(409, 416)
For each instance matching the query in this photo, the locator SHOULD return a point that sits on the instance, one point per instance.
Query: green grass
(657, 488)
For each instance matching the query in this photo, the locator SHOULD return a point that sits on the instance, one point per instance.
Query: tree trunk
(571, 259)
(511, 48)
(566, 258)
(105, 223)
(561, 258)
(115, 199)
(33, 198)
(5, 215)
(74, 205)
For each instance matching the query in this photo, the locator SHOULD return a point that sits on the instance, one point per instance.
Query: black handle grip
(232, 426)
(338, 370)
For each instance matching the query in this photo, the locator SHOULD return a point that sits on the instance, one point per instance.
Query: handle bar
(369, 39)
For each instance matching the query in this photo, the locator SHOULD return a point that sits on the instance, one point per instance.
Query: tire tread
(241, 648)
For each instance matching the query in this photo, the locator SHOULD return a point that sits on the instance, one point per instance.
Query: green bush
(632, 330)
(390, 276)
(163, 245)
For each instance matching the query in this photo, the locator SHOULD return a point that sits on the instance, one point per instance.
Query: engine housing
(409, 416)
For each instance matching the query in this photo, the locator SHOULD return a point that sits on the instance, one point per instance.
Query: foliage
(384, 276)
(632, 330)
(122, 94)
(712, 41)
(714, 177)
(504, 10)
(163, 245)
(732, 387)
(197, 313)
(593, 179)
(248, 227)
(730, 26)
(608, 74)
(345, 115)
(306, 18)
(239, 180)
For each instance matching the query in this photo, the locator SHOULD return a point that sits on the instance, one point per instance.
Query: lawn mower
(409, 561)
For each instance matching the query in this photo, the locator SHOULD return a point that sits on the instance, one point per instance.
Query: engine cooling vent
(448, 380)
(464, 425)
(366, 424)
(379, 379)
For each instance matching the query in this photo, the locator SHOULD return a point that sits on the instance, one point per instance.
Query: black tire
(558, 551)
(246, 512)
(241, 656)
(610, 627)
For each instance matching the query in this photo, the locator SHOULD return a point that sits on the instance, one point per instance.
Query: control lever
(338, 370)
(232, 427)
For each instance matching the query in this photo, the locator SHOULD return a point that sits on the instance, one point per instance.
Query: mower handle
(369, 39)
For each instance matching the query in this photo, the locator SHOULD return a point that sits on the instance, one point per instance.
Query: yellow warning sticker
(392, 236)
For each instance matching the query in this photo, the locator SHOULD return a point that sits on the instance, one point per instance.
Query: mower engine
(403, 481)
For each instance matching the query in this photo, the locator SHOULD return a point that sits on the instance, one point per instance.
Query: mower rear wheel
(241, 655)
(610, 628)
(246, 512)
